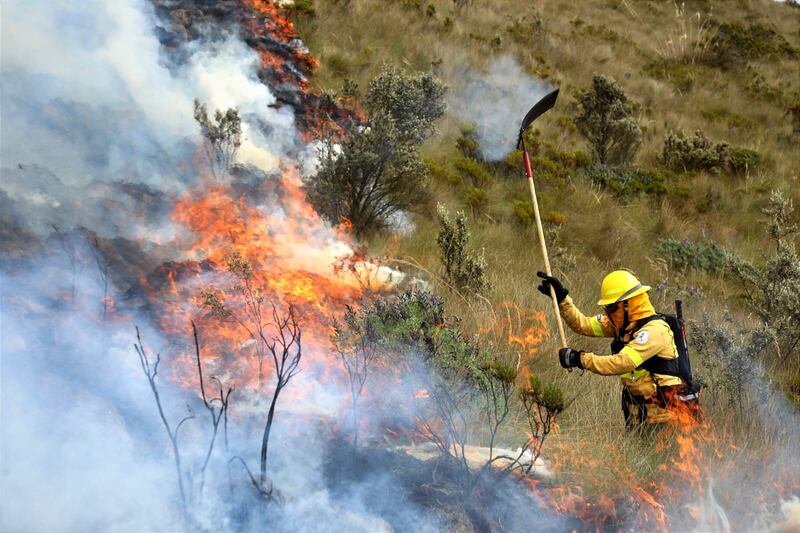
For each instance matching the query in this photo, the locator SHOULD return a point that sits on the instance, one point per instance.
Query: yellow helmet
(618, 286)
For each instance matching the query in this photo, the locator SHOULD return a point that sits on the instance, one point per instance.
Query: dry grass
(570, 42)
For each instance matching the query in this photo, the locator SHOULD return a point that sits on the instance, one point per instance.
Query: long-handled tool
(543, 105)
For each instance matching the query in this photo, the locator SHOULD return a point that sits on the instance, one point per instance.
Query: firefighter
(644, 354)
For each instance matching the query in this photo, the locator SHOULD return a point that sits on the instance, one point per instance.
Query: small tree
(773, 288)
(542, 402)
(367, 179)
(607, 122)
(463, 269)
(150, 370)
(356, 340)
(377, 171)
(277, 335)
(413, 103)
(222, 137)
(730, 358)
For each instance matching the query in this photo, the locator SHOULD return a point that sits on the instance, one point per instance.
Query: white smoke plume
(496, 101)
(98, 138)
(89, 98)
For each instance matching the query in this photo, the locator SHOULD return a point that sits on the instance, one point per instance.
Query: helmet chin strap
(621, 331)
(624, 317)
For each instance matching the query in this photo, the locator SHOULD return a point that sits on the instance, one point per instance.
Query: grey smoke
(98, 134)
(495, 100)
(88, 99)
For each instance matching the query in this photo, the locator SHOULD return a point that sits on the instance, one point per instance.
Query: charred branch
(150, 370)
(286, 350)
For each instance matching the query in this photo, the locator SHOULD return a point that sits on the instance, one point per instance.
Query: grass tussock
(672, 218)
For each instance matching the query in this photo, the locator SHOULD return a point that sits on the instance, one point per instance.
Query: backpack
(680, 367)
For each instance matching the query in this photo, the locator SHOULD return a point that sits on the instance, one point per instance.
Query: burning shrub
(606, 120)
(273, 334)
(542, 402)
(367, 179)
(356, 341)
(463, 269)
(411, 328)
(223, 136)
(377, 171)
(459, 377)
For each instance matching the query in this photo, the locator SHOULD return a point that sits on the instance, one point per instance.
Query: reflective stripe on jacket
(654, 339)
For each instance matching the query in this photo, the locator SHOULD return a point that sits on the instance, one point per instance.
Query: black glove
(547, 282)
(570, 358)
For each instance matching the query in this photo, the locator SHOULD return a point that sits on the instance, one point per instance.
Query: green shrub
(732, 120)
(606, 120)
(377, 171)
(463, 269)
(555, 218)
(729, 359)
(440, 172)
(476, 199)
(743, 160)
(772, 287)
(684, 153)
(678, 73)
(793, 111)
(627, 183)
(706, 256)
(473, 170)
(546, 394)
(447, 25)
(734, 44)
(698, 152)
(525, 29)
(523, 212)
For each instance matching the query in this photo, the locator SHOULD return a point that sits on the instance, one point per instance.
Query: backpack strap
(654, 365)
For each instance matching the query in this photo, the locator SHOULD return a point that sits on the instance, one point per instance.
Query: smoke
(98, 138)
(496, 102)
(88, 99)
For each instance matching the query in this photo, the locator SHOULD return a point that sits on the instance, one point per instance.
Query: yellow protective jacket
(654, 339)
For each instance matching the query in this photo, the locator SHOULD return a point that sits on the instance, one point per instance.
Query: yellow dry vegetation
(647, 46)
